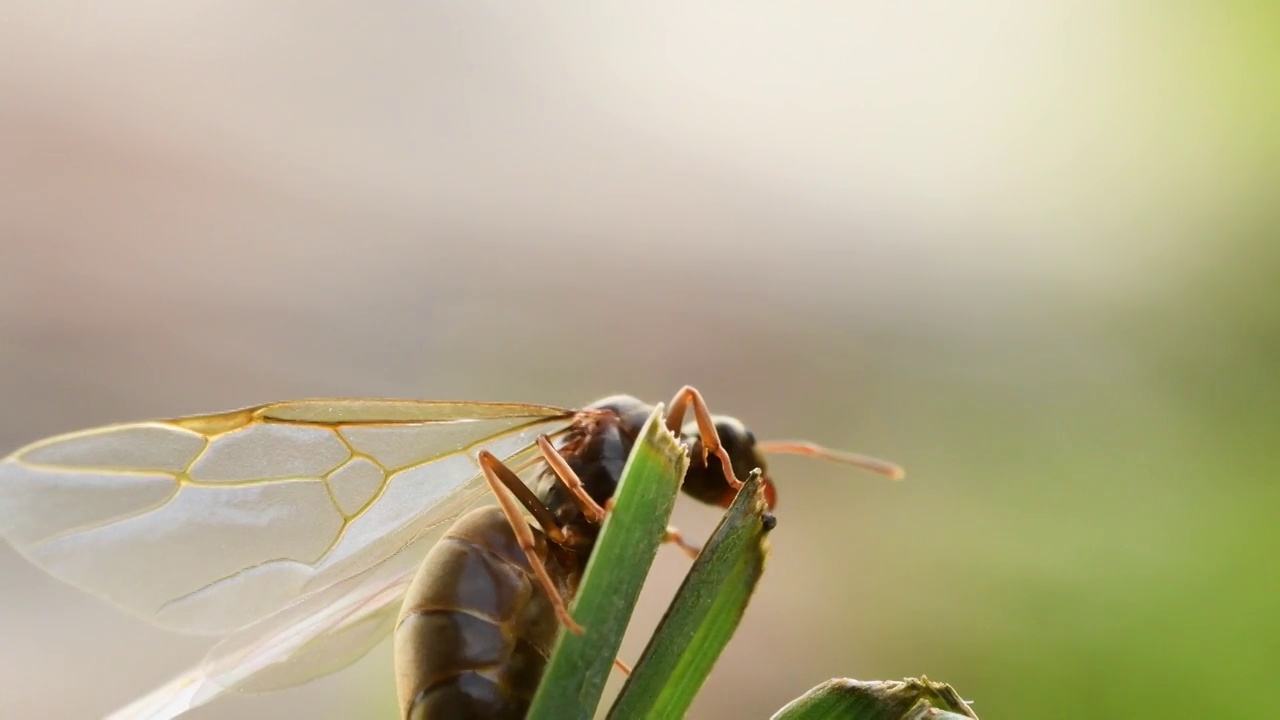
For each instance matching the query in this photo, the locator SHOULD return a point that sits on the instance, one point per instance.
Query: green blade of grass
(628, 543)
(846, 699)
(704, 614)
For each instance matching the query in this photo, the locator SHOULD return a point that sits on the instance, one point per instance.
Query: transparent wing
(209, 524)
(323, 633)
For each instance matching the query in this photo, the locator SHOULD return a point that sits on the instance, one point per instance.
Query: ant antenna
(808, 449)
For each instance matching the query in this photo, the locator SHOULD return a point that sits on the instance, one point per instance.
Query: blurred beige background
(1026, 250)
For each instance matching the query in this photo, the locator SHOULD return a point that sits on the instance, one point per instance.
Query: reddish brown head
(706, 481)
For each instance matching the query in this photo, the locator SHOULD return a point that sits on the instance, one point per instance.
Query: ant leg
(673, 536)
(710, 438)
(500, 477)
(570, 480)
(504, 475)
(625, 668)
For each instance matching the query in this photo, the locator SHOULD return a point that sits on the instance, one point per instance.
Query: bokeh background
(1028, 250)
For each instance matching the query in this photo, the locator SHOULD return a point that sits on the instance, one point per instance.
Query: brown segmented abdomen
(475, 629)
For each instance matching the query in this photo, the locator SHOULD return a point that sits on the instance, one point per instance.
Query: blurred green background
(1029, 251)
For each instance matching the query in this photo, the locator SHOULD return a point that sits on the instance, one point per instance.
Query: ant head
(705, 481)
